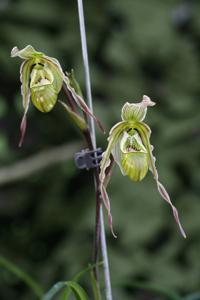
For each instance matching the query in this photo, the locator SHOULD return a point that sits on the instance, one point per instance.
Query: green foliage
(9, 266)
(75, 287)
(47, 220)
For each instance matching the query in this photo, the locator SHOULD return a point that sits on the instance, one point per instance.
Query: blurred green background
(47, 213)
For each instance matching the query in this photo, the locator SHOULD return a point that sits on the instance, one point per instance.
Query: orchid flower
(42, 79)
(129, 146)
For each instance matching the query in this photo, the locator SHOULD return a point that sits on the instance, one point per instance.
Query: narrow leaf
(77, 277)
(78, 291)
(81, 103)
(12, 268)
(74, 83)
(80, 122)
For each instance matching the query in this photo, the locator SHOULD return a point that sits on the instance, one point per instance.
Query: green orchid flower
(42, 79)
(129, 146)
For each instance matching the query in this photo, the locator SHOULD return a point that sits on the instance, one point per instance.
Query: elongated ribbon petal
(145, 132)
(105, 163)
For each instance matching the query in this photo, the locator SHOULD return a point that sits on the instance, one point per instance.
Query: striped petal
(25, 70)
(136, 111)
(44, 92)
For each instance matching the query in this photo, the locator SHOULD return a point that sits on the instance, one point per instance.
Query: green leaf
(95, 287)
(8, 265)
(74, 83)
(77, 290)
(80, 122)
(77, 277)
(81, 103)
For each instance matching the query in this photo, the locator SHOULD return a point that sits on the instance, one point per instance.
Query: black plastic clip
(88, 159)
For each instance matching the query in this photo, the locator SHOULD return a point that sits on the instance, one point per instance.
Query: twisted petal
(145, 132)
(114, 135)
(136, 111)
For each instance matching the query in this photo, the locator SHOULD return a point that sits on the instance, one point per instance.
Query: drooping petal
(25, 70)
(27, 53)
(23, 126)
(136, 111)
(105, 163)
(166, 197)
(81, 103)
(145, 132)
(106, 201)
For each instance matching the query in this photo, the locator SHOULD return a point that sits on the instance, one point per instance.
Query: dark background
(47, 215)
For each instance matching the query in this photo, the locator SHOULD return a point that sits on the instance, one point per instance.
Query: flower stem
(99, 227)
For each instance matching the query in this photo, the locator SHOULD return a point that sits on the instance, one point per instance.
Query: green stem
(9, 266)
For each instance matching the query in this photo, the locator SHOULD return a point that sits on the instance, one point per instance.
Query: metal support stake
(93, 136)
